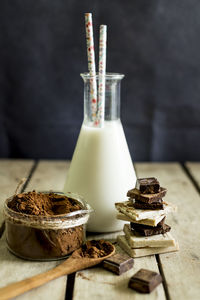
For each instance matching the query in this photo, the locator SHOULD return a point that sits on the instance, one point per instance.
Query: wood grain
(181, 269)
(194, 169)
(11, 171)
(74, 263)
(98, 283)
(13, 269)
(48, 175)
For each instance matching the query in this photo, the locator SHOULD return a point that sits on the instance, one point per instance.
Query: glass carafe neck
(112, 97)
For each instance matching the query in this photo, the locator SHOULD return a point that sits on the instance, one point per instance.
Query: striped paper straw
(91, 66)
(102, 73)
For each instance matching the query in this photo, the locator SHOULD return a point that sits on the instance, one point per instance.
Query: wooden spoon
(74, 263)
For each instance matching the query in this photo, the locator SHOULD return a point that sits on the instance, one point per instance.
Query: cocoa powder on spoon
(95, 249)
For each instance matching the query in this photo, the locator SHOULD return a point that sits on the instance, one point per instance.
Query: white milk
(102, 172)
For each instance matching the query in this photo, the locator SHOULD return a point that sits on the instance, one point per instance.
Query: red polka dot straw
(91, 65)
(102, 73)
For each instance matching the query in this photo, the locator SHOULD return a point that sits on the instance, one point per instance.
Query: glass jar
(46, 237)
(101, 169)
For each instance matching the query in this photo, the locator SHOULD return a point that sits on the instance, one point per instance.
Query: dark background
(156, 44)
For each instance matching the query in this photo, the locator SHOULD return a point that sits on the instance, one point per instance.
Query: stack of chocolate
(146, 211)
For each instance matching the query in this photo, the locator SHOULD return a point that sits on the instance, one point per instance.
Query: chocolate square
(142, 205)
(145, 230)
(145, 281)
(148, 185)
(147, 198)
(118, 263)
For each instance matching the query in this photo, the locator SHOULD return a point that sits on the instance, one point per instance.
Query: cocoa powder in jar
(43, 243)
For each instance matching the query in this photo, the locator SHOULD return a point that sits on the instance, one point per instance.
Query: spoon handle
(25, 285)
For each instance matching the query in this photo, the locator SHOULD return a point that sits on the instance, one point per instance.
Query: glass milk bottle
(101, 170)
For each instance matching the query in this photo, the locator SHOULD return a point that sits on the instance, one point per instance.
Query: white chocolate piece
(150, 222)
(140, 214)
(140, 252)
(158, 240)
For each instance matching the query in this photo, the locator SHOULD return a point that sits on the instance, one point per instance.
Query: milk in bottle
(101, 170)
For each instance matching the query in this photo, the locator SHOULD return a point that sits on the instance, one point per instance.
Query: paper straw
(102, 73)
(91, 65)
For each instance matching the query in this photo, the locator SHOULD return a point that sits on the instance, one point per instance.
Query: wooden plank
(48, 175)
(14, 269)
(181, 269)
(97, 283)
(194, 169)
(11, 171)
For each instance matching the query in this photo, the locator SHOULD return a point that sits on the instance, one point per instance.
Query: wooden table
(180, 271)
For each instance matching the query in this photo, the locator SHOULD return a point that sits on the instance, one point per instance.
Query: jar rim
(75, 216)
(109, 75)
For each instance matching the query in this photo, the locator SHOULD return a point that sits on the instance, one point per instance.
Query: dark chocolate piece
(118, 263)
(156, 202)
(142, 226)
(147, 198)
(145, 281)
(145, 230)
(142, 205)
(148, 185)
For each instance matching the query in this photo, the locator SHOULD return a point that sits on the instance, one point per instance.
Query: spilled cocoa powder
(42, 204)
(43, 244)
(95, 249)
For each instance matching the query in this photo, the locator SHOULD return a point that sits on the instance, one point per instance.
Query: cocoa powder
(95, 249)
(43, 204)
(43, 244)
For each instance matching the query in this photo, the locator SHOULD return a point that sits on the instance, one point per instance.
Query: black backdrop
(42, 51)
